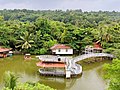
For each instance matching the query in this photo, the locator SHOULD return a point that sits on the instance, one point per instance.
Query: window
(59, 59)
(66, 50)
(58, 50)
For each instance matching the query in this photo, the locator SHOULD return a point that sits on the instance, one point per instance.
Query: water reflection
(58, 83)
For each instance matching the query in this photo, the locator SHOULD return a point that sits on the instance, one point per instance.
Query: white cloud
(86, 5)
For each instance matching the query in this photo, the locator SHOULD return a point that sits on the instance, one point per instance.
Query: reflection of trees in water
(58, 83)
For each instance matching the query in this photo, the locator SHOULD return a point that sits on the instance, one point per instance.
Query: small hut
(96, 48)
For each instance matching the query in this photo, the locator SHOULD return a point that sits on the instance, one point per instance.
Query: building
(4, 52)
(51, 65)
(96, 48)
(61, 49)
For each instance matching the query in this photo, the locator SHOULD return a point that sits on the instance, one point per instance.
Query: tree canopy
(37, 31)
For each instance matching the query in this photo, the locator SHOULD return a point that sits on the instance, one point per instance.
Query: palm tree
(25, 41)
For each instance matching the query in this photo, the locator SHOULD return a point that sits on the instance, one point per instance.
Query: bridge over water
(76, 68)
(85, 56)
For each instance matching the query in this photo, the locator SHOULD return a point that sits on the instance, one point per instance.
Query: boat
(27, 56)
(58, 66)
(10, 53)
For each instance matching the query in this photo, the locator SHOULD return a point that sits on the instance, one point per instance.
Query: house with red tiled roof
(4, 52)
(61, 49)
(96, 48)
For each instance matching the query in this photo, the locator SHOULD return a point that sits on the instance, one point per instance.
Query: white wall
(63, 51)
(54, 50)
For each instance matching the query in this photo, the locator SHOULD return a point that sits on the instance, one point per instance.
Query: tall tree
(25, 41)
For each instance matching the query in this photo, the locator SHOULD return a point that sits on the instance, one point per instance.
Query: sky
(85, 5)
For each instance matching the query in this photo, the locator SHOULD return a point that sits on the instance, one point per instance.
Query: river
(91, 79)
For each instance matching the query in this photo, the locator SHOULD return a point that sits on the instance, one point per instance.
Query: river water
(91, 79)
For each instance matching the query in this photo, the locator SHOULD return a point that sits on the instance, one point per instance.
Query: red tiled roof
(4, 49)
(42, 64)
(97, 45)
(60, 46)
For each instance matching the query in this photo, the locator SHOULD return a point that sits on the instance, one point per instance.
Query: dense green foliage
(36, 31)
(11, 83)
(113, 74)
(27, 86)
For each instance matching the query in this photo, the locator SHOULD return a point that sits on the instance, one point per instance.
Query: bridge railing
(85, 56)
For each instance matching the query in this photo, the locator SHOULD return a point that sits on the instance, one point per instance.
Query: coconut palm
(25, 41)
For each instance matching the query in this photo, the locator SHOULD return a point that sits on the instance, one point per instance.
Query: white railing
(76, 68)
(85, 56)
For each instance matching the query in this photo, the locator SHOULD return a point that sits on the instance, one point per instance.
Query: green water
(91, 78)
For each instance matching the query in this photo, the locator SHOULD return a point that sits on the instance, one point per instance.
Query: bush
(39, 51)
(43, 51)
(28, 86)
(115, 52)
(112, 72)
(10, 80)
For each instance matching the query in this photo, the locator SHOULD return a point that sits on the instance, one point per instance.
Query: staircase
(73, 67)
